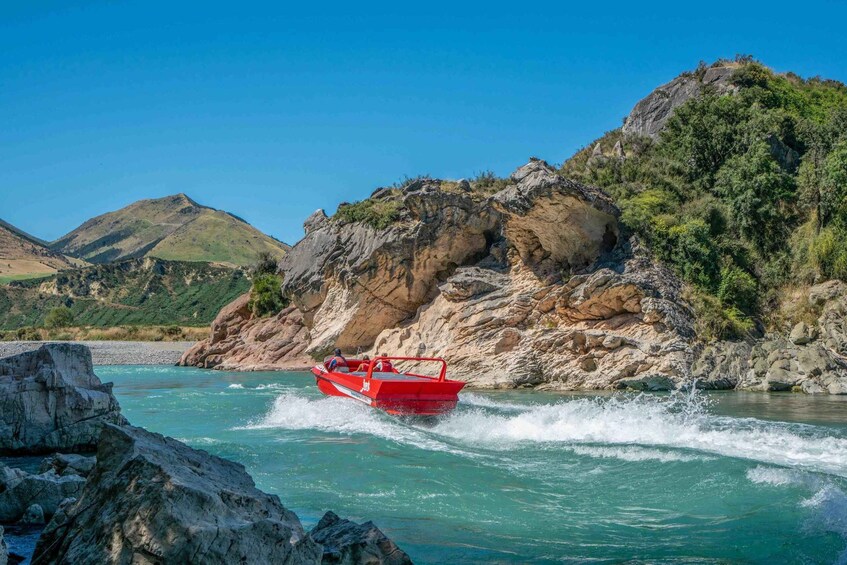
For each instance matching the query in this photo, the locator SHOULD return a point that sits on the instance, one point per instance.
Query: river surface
(527, 476)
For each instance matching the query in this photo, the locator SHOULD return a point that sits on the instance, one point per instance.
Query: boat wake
(675, 429)
(622, 426)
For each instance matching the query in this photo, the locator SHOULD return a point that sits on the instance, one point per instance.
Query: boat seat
(380, 376)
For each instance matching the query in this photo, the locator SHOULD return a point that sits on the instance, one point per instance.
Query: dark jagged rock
(68, 464)
(51, 400)
(152, 499)
(348, 543)
(19, 490)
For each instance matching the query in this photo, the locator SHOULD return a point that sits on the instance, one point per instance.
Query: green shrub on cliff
(378, 214)
(266, 295)
(742, 194)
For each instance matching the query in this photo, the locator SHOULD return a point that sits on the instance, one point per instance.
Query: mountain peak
(172, 227)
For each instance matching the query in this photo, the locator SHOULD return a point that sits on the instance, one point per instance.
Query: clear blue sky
(271, 112)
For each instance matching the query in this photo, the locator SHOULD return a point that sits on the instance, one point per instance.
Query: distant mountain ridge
(173, 227)
(145, 291)
(23, 255)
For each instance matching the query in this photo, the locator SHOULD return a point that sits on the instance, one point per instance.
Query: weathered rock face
(20, 490)
(51, 400)
(810, 359)
(534, 285)
(68, 464)
(649, 116)
(347, 543)
(350, 280)
(238, 341)
(509, 329)
(152, 499)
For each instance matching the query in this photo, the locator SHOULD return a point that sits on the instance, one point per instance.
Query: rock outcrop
(152, 499)
(812, 358)
(348, 543)
(51, 400)
(649, 116)
(534, 285)
(68, 464)
(239, 341)
(20, 490)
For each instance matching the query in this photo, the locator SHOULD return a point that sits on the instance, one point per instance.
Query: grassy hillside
(173, 227)
(743, 194)
(133, 292)
(23, 256)
(219, 237)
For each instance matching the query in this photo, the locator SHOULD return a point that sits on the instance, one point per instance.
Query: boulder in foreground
(152, 499)
(51, 400)
(20, 490)
(348, 543)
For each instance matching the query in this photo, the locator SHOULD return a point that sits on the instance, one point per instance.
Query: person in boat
(363, 366)
(384, 365)
(337, 362)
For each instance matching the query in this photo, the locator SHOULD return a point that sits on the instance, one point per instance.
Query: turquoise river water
(526, 476)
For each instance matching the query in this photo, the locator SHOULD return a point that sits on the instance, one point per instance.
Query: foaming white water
(471, 399)
(236, 386)
(342, 415)
(828, 503)
(272, 386)
(635, 453)
(678, 421)
(670, 423)
(778, 476)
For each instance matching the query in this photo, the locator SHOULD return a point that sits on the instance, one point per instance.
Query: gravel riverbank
(115, 352)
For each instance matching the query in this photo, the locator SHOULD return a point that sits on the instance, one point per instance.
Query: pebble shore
(115, 352)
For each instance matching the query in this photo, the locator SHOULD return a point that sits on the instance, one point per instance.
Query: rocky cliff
(209, 511)
(50, 399)
(812, 358)
(153, 499)
(649, 116)
(533, 285)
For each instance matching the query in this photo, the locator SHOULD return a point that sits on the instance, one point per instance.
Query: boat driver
(337, 362)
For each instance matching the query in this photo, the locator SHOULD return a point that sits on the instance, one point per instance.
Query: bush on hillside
(266, 264)
(378, 214)
(59, 317)
(266, 296)
(742, 194)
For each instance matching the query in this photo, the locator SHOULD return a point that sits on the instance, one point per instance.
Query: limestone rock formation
(342, 274)
(810, 359)
(51, 400)
(20, 490)
(347, 543)
(534, 285)
(152, 499)
(648, 117)
(239, 341)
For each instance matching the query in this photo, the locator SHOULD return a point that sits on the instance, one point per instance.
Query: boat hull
(398, 395)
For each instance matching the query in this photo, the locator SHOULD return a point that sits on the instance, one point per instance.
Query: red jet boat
(396, 393)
